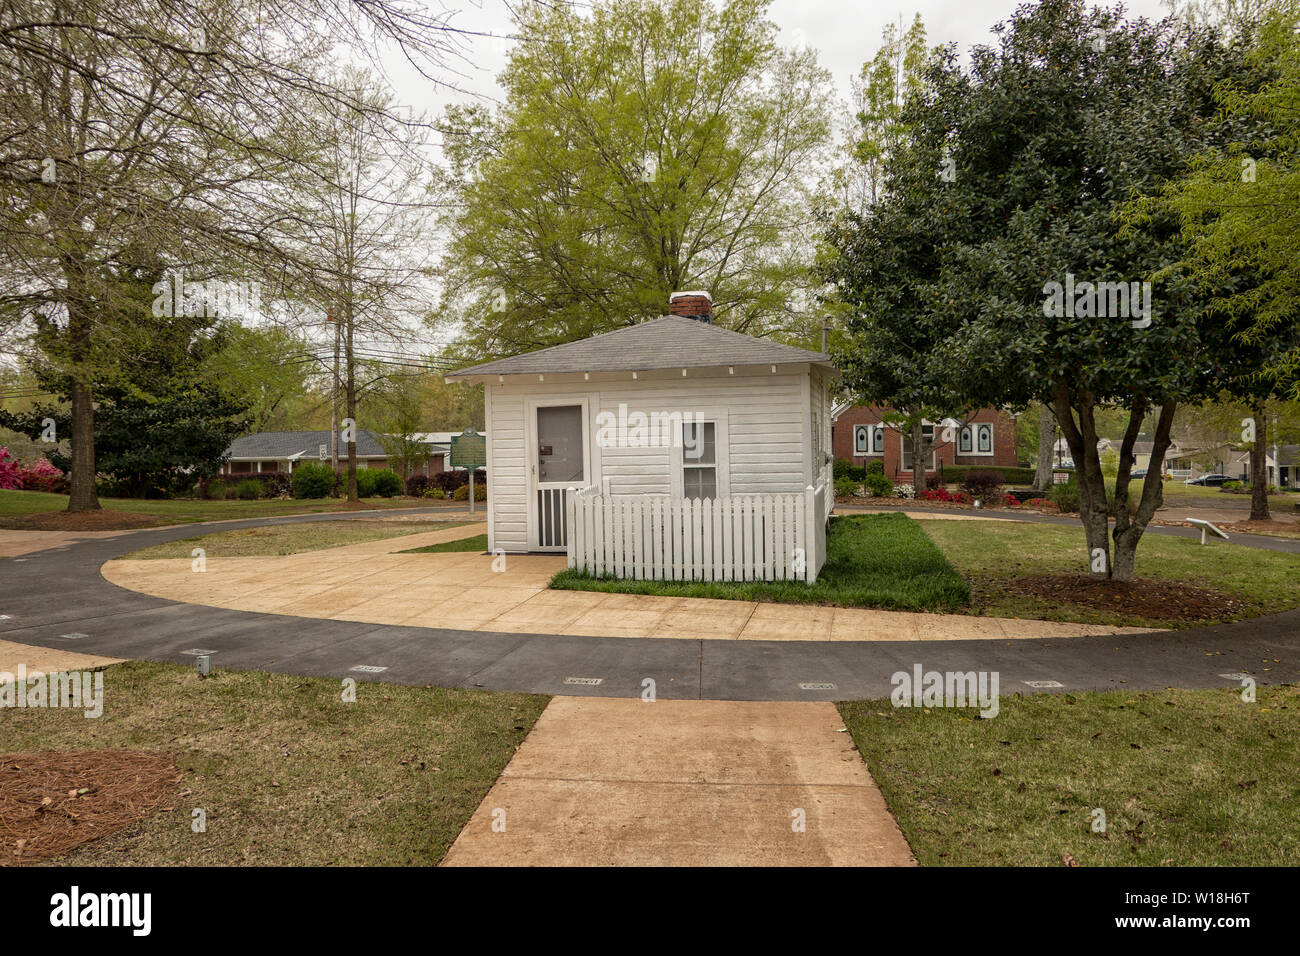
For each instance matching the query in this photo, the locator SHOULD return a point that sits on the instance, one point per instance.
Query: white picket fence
(739, 538)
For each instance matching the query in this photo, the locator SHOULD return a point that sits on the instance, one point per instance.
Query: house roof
(668, 342)
(270, 445)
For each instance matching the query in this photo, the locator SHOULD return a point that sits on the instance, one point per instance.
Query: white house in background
(671, 448)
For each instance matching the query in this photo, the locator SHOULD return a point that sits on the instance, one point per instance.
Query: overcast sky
(844, 33)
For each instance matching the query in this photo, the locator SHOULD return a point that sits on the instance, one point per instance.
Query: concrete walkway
(15, 543)
(48, 660)
(605, 782)
(374, 583)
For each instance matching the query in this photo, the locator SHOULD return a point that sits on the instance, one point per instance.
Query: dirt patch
(102, 520)
(52, 801)
(1144, 597)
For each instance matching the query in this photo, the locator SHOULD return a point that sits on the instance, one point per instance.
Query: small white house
(667, 449)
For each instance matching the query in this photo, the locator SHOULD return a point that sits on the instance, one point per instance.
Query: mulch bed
(102, 520)
(52, 801)
(1144, 597)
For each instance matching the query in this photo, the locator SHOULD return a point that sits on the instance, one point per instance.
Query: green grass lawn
(177, 510)
(287, 772)
(987, 553)
(291, 538)
(478, 542)
(872, 560)
(1186, 778)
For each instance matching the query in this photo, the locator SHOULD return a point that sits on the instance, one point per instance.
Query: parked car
(1210, 481)
(1138, 473)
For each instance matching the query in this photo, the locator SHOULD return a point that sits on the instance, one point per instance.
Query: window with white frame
(868, 440)
(976, 439)
(699, 459)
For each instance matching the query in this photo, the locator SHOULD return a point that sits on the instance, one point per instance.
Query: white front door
(560, 461)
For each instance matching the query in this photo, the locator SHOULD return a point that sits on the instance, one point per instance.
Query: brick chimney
(692, 305)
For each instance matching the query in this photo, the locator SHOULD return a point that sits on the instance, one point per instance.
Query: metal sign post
(469, 450)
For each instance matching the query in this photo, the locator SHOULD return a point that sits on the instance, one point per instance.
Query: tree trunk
(918, 459)
(1082, 439)
(1046, 447)
(1130, 526)
(351, 401)
(1259, 466)
(81, 481)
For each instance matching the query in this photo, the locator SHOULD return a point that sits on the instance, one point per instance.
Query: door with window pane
(559, 464)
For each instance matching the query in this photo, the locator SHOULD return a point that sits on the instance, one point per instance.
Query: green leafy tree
(1011, 181)
(645, 147)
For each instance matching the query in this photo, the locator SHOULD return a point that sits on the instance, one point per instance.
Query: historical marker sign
(468, 450)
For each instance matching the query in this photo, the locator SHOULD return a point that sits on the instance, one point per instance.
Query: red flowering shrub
(40, 475)
(10, 474)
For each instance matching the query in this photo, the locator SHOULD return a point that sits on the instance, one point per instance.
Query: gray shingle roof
(287, 444)
(667, 342)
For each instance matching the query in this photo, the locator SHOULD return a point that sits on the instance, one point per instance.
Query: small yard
(1020, 570)
(1007, 569)
(291, 538)
(477, 543)
(23, 510)
(1186, 778)
(882, 560)
(287, 773)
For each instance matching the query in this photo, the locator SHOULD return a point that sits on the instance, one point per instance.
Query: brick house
(986, 438)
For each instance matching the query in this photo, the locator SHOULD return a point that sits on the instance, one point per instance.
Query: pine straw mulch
(1144, 597)
(102, 520)
(52, 801)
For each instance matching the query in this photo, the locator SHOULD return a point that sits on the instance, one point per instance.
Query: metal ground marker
(73, 636)
(1043, 684)
(817, 685)
(197, 652)
(369, 668)
(585, 681)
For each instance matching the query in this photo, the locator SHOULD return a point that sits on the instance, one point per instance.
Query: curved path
(57, 598)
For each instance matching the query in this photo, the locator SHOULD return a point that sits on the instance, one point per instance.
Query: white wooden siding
(768, 431)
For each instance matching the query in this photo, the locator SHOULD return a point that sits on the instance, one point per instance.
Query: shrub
(876, 467)
(841, 468)
(1066, 496)
(933, 481)
(957, 474)
(434, 493)
(905, 491)
(40, 475)
(313, 479)
(878, 484)
(367, 480)
(983, 483)
(250, 489)
(1232, 486)
(215, 489)
(418, 484)
(845, 487)
(11, 477)
(449, 481)
(387, 483)
(462, 493)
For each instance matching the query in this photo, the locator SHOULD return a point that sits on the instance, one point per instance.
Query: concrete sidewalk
(603, 782)
(374, 583)
(48, 660)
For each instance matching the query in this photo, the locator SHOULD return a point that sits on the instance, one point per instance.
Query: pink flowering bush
(40, 475)
(10, 475)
